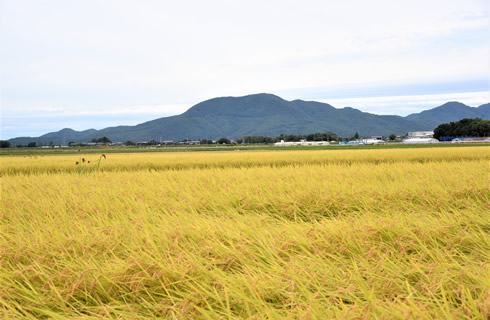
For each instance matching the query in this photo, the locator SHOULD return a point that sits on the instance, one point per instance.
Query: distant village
(463, 131)
(413, 137)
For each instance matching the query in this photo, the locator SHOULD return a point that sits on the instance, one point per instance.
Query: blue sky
(93, 64)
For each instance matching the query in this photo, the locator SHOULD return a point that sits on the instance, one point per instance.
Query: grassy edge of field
(24, 151)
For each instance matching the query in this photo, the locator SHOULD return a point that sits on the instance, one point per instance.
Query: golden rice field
(327, 234)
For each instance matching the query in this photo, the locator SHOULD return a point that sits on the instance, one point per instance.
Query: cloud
(49, 112)
(109, 56)
(405, 105)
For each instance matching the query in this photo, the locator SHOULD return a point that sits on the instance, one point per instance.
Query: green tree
(255, 139)
(31, 144)
(4, 144)
(465, 127)
(331, 136)
(104, 139)
(356, 136)
(224, 140)
(392, 136)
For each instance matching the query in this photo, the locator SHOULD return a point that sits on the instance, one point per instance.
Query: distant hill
(266, 115)
(451, 111)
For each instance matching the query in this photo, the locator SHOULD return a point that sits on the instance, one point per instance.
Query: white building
(420, 134)
(420, 141)
(372, 141)
(301, 143)
(470, 140)
(283, 144)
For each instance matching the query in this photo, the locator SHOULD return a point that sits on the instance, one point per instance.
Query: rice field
(327, 234)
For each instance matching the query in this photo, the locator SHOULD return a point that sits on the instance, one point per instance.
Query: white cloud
(50, 112)
(405, 105)
(106, 55)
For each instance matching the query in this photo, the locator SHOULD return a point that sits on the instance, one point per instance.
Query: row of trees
(318, 136)
(32, 144)
(104, 139)
(7, 144)
(255, 139)
(463, 128)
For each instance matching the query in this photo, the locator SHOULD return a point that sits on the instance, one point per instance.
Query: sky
(99, 63)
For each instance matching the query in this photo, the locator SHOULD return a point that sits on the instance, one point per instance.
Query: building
(420, 141)
(420, 134)
(301, 143)
(470, 140)
(372, 141)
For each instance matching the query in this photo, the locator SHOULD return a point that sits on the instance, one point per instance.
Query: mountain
(485, 110)
(451, 111)
(266, 115)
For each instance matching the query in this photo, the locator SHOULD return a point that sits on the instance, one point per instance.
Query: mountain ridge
(267, 115)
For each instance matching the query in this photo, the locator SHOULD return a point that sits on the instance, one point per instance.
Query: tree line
(104, 139)
(317, 136)
(463, 128)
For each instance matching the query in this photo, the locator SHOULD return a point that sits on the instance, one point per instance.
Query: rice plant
(387, 234)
